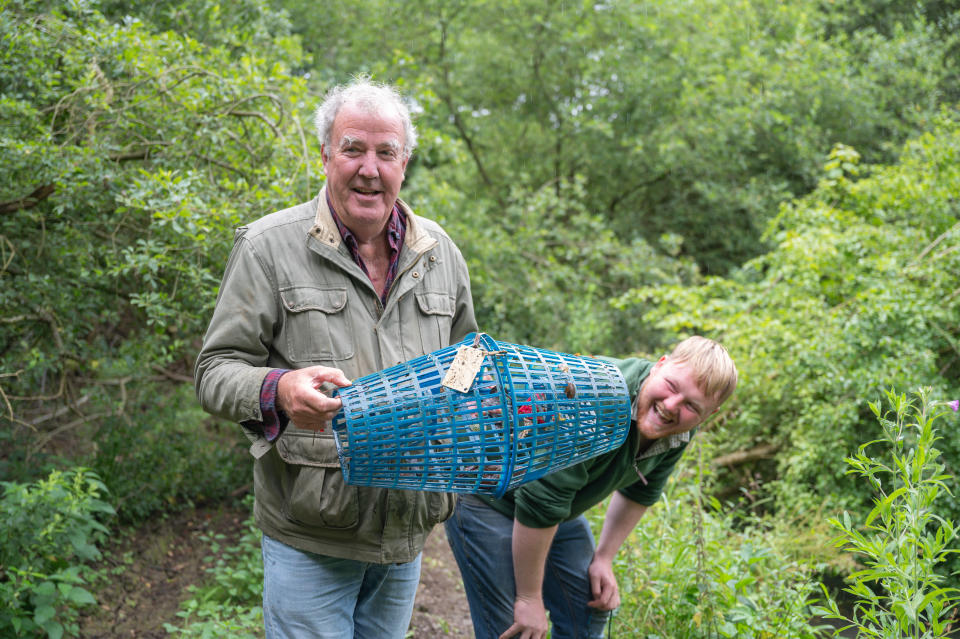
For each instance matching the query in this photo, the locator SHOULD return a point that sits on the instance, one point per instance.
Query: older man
(343, 285)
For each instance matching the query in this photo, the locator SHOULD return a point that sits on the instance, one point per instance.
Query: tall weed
(691, 570)
(903, 541)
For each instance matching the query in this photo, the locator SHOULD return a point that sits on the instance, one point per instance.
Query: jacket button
(415, 275)
(433, 258)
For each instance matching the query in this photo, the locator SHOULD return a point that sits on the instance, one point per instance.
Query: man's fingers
(334, 376)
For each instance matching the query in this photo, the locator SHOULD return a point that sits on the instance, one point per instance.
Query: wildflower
(955, 405)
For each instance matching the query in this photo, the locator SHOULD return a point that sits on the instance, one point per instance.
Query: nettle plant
(695, 569)
(903, 541)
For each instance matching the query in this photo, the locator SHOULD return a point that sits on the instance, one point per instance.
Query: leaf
(43, 613)
(80, 596)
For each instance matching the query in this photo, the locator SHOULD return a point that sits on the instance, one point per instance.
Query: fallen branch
(763, 451)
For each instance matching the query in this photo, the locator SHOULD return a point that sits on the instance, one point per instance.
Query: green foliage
(903, 542)
(566, 265)
(859, 295)
(713, 574)
(128, 154)
(166, 464)
(690, 122)
(228, 603)
(49, 531)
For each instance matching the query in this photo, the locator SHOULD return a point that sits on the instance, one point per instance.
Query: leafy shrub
(860, 294)
(49, 530)
(690, 571)
(170, 461)
(128, 154)
(903, 542)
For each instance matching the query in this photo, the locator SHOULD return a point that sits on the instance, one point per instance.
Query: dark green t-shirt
(567, 493)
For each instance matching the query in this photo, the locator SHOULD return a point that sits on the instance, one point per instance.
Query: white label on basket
(464, 368)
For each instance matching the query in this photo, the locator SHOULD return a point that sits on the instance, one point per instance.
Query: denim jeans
(480, 538)
(310, 596)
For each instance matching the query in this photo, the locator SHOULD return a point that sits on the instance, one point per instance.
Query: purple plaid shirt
(396, 231)
(273, 420)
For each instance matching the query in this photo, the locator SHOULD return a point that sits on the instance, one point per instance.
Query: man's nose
(368, 167)
(673, 402)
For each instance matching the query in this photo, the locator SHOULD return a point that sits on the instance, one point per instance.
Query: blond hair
(714, 370)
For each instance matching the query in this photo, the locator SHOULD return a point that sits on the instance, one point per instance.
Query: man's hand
(603, 585)
(299, 396)
(529, 620)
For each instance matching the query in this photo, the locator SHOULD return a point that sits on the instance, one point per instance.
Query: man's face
(670, 401)
(365, 168)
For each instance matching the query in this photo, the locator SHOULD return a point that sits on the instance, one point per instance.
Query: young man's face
(670, 401)
(365, 168)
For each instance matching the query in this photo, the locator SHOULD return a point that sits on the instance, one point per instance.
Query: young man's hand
(603, 585)
(529, 620)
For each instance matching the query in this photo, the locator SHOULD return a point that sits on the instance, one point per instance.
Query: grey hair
(370, 96)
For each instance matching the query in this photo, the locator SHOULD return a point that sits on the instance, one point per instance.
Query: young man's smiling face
(365, 167)
(670, 401)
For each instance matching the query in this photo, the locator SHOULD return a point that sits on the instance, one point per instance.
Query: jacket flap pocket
(308, 449)
(311, 298)
(435, 304)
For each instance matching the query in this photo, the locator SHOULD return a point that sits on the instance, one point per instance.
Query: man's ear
(660, 362)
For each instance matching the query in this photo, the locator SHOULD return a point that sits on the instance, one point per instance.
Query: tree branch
(39, 194)
(177, 377)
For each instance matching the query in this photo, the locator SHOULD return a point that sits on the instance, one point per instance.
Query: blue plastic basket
(528, 412)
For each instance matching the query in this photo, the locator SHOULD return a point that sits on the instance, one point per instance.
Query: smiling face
(670, 401)
(365, 168)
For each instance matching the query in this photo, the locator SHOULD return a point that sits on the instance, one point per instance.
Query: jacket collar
(325, 230)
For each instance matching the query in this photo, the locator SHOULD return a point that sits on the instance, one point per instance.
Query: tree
(127, 156)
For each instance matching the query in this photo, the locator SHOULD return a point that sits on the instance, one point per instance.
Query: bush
(170, 461)
(49, 530)
(690, 571)
(860, 295)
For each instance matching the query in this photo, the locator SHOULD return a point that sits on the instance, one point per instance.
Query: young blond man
(532, 550)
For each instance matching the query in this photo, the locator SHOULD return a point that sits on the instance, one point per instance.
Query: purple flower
(955, 404)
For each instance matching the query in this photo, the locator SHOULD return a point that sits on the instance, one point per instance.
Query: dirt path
(151, 568)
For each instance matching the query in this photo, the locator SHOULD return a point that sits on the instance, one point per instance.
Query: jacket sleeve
(232, 363)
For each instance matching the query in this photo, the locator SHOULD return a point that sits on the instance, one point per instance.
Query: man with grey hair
(313, 296)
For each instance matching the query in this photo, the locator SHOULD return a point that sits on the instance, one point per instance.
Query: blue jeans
(480, 538)
(310, 596)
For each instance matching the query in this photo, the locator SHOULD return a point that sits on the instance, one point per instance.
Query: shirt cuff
(273, 420)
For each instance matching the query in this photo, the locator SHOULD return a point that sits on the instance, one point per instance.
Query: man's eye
(388, 154)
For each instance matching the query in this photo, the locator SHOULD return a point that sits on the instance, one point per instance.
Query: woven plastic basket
(527, 412)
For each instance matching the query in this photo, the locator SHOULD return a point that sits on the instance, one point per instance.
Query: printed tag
(464, 368)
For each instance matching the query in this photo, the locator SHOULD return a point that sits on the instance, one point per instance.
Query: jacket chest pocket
(436, 320)
(316, 323)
